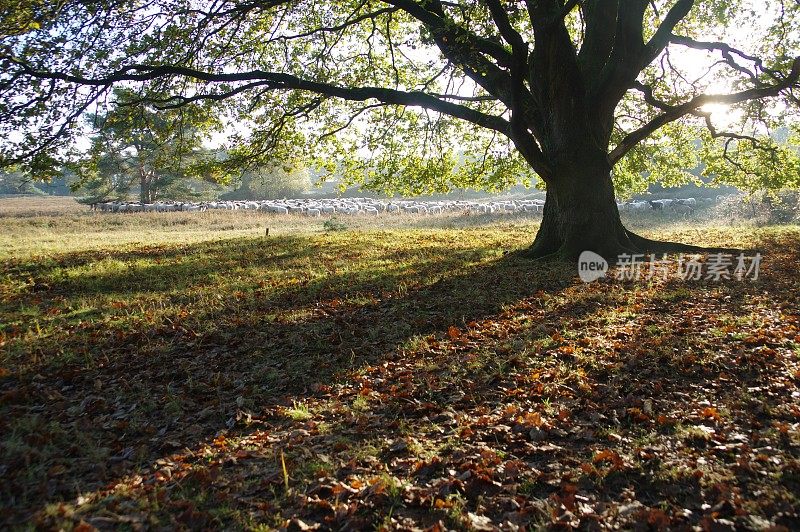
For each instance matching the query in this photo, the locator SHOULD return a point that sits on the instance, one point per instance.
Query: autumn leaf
(607, 455)
(567, 349)
(440, 504)
(453, 332)
(661, 419)
(531, 419)
(658, 519)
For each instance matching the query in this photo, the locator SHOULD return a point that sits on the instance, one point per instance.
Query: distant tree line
(138, 151)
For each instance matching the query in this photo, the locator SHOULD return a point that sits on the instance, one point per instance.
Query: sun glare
(723, 116)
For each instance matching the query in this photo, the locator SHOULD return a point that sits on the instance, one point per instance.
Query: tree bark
(145, 192)
(581, 214)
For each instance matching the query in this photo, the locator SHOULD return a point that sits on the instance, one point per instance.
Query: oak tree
(135, 147)
(424, 95)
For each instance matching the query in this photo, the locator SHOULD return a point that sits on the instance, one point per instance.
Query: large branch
(630, 54)
(712, 46)
(661, 39)
(471, 53)
(568, 7)
(282, 81)
(625, 60)
(503, 24)
(452, 32)
(676, 112)
(728, 52)
(278, 81)
(598, 41)
(521, 102)
(465, 49)
(554, 73)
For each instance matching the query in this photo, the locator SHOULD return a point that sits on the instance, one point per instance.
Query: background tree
(272, 181)
(15, 181)
(136, 147)
(571, 91)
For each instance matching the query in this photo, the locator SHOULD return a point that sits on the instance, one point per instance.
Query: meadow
(187, 371)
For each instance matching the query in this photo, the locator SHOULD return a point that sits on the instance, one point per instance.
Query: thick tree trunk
(581, 214)
(145, 194)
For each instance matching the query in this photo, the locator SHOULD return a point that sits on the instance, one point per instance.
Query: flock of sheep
(345, 206)
(682, 206)
(374, 207)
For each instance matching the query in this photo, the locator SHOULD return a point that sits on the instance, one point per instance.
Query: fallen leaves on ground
(311, 385)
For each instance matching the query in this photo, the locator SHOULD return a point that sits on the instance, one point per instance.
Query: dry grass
(46, 225)
(29, 206)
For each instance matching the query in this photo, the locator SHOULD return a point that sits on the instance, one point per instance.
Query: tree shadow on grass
(184, 339)
(499, 389)
(151, 268)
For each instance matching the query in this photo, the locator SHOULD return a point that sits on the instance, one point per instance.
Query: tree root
(566, 254)
(632, 244)
(647, 245)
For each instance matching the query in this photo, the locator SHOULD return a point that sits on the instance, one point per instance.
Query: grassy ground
(182, 370)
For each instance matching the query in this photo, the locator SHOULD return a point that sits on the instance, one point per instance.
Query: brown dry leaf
(439, 504)
(658, 519)
(531, 419)
(607, 455)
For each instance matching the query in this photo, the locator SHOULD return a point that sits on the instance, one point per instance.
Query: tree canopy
(271, 181)
(424, 95)
(136, 147)
(14, 181)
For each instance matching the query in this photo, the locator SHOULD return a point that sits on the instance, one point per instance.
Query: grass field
(183, 371)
